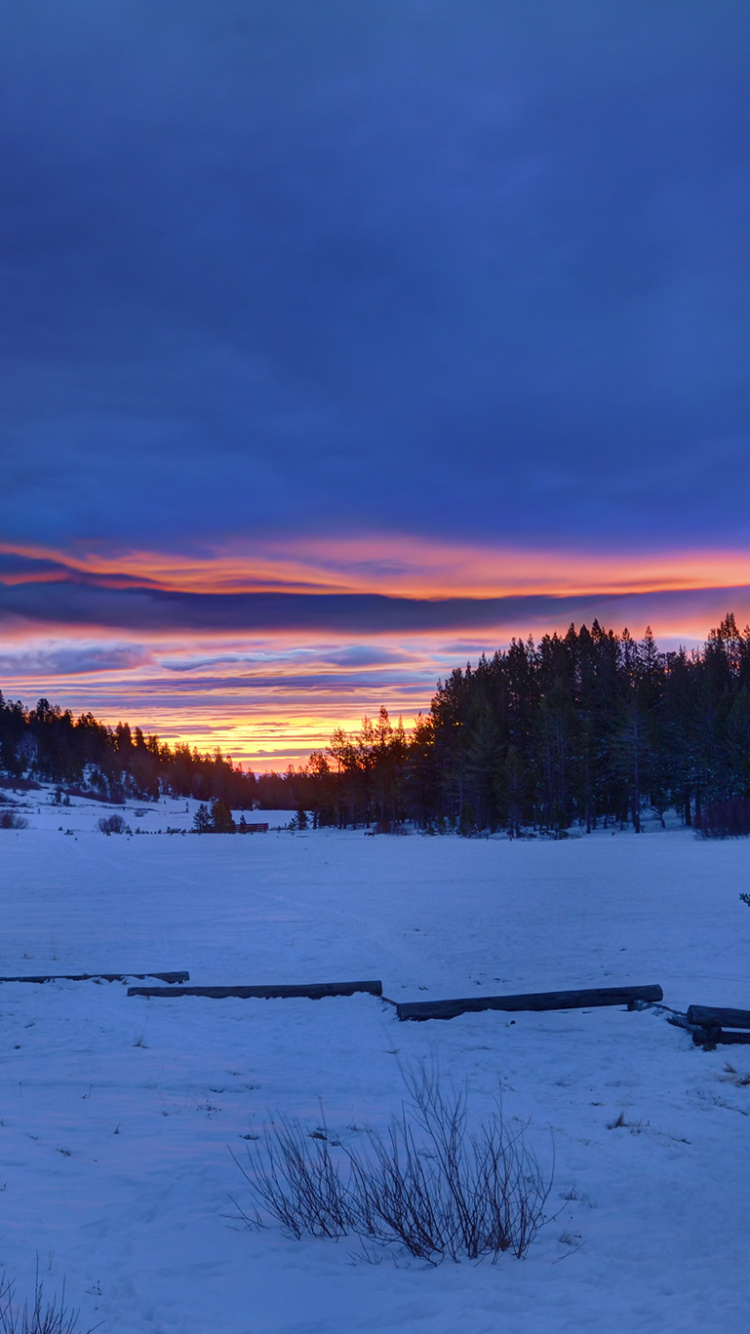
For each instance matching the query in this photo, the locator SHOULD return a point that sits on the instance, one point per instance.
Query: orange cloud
(403, 566)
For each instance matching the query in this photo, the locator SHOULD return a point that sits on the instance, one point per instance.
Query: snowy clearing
(117, 1112)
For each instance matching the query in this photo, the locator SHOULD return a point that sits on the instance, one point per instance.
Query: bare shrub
(9, 820)
(44, 1317)
(112, 824)
(430, 1186)
(299, 1183)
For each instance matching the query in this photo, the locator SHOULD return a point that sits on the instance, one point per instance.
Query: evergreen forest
(586, 729)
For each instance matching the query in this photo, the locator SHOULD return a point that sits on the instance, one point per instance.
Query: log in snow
(708, 1038)
(98, 977)
(715, 1016)
(311, 991)
(535, 1000)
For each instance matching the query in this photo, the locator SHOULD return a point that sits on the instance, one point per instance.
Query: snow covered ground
(117, 1113)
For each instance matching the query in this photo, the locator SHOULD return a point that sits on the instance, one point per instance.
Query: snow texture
(118, 1113)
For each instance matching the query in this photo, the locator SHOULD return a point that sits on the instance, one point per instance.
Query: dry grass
(42, 1317)
(735, 1077)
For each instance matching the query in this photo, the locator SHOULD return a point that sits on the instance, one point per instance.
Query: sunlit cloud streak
(390, 564)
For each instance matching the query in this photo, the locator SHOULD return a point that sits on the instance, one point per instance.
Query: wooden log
(716, 1016)
(310, 991)
(98, 977)
(708, 1038)
(535, 1000)
(729, 1039)
(707, 1034)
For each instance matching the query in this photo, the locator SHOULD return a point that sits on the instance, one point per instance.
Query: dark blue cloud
(74, 660)
(18, 566)
(458, 268)
(155, 612)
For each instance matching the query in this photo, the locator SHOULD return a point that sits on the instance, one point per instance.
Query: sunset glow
(268, 696)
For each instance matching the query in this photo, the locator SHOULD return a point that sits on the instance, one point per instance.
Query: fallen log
(97, 977)
(534, 1000)
(716, 1016)
(708, 1038)
(309, 991)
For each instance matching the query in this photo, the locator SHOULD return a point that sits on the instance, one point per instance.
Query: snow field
(117, 1113)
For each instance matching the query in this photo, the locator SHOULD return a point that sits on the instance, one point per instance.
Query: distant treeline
(47, 744)
(589, 728)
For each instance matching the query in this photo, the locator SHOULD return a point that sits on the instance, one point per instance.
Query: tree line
(87, 757)
(590, 728)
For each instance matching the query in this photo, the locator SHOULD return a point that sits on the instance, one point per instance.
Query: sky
(341, 342)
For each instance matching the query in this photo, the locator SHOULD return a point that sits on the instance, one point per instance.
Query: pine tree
(202, 822)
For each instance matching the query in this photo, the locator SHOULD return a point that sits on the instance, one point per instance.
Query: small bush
(44, 1317)
(112, 824)
(430, 1187)
(9, 820)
